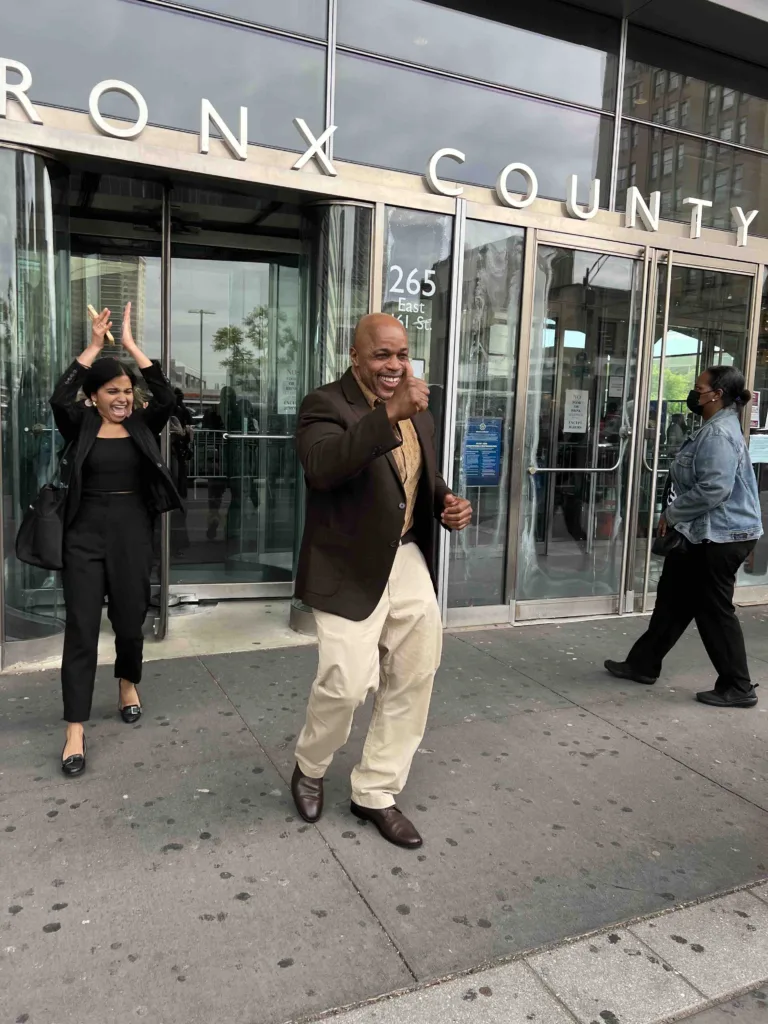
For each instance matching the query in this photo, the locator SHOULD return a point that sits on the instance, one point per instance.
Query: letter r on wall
(18, 90)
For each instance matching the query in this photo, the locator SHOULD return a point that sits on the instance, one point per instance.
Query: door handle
(257, 437)
(650, 468)
(533, 470)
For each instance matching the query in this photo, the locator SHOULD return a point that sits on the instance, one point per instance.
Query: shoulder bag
(673, 542)
(40, 538)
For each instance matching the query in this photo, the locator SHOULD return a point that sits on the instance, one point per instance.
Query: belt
(409, 537)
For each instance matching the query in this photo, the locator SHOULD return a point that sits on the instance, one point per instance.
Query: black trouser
(107, 550)
(699, 585)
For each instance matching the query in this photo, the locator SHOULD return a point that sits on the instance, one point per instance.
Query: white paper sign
(417, 365)
(576, 412)
(615, 387)
(758, 448)
(286, 391)
(755, 418)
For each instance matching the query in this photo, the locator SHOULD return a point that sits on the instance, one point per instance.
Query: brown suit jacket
(356, 501)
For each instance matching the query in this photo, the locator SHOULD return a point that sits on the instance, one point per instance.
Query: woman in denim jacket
(715, 506)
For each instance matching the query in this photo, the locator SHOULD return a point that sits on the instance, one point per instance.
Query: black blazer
(79, 425)
(356, 501)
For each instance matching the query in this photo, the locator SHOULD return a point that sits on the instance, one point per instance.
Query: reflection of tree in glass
(247, 345)
(676, 385)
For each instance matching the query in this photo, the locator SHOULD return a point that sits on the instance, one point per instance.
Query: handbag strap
(66, 464)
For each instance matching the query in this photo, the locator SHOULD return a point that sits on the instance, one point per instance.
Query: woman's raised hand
(99, 327)
(100, 324)
(128, 342)
(126, 335)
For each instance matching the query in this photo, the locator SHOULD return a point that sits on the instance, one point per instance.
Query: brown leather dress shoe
(307, 795)
(392, 824)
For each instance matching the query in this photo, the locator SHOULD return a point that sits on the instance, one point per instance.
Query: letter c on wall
(113, 85)
(432, 179)
(503, 192)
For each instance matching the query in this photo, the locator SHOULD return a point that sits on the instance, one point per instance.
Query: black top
(79, 425)
(113, 465)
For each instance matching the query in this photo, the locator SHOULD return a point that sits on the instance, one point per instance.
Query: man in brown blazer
(375, 495)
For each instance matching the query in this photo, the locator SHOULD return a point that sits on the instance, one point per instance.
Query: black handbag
(40, 538)
(672, 543)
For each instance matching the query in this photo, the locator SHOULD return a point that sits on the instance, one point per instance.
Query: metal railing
(217, 453)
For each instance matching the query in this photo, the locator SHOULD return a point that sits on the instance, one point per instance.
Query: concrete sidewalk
(175, 882)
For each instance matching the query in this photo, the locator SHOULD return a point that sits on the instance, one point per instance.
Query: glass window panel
(416, 290)
(174, 60)
(485, 403)
(551, 49)
(306, 17)
(755, 570)
(716, 88)
(34, 268)
(375, 105)
(706, 170)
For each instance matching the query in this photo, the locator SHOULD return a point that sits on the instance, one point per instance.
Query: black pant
(107, 550)
(699, 585)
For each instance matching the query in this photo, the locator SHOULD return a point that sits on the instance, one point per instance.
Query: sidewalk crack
(390, 939)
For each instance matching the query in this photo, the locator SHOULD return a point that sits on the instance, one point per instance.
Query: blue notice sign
(482, 452)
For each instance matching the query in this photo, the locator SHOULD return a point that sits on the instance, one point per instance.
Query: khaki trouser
(395, 652)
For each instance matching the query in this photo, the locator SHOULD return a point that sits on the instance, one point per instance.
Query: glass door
(699, 315)
(577, 451)
(237, 285)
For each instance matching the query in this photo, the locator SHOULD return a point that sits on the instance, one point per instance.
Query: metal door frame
(545, 608)
(653, 256)
(670, 259)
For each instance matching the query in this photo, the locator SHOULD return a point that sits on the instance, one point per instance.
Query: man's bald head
(380, 353)
(375, 325)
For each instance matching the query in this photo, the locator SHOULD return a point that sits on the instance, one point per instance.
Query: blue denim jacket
(715, 489)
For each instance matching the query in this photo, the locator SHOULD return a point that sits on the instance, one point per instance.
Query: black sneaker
(623, 670)
(728, 698)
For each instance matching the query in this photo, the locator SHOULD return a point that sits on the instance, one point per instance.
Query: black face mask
(692, 401)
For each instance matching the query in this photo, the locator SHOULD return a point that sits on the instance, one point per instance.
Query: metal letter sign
(638, 210)
(315, 147)
(113, 85)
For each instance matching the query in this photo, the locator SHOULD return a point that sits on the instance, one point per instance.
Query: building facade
(566, 204)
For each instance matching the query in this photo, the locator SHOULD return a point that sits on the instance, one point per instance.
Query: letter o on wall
(503, 192)
(113, 85)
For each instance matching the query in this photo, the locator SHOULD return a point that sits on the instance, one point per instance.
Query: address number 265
(413, 282)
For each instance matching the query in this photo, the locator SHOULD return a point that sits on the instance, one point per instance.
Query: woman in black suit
(118, 483)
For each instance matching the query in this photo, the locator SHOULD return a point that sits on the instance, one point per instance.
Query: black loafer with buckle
(130, 713)
(74, 764)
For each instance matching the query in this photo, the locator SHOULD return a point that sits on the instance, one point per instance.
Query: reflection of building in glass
(110, 281)
(655, 158)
